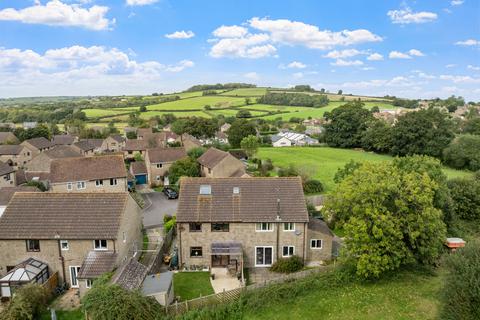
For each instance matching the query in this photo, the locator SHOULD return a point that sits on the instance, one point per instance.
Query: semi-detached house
(105, 173)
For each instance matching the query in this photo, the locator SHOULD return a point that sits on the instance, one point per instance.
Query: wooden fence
(51, 283)
(179, 308)
(165, 248)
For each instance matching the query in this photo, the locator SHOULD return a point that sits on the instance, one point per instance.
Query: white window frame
(260, 224)
(288, 255)
(69, 186)
(62, 242)
(113, 181)
(83, 185)
(316, 240)
(158, 178)
(291, 224)
(264, 265)
(100, 248)
(88, 283)
(77, 269)
(99, 183)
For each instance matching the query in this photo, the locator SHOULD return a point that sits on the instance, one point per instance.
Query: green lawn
(246, 92)
(149, 114)
(198, 103)
(326, 161)
(407, 295)
(76, 314)
(190, 285)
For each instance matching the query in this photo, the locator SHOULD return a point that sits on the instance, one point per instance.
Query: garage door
(141, 179)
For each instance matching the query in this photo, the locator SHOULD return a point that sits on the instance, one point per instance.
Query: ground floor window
(196, 252)
(288, 251)
(263, 256)
(88, 283)
(74, 270)
(316, 244)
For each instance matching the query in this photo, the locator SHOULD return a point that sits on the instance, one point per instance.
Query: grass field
(246, 92)
(406, 295)
(198, 103)
(190, 285)
(326, 161)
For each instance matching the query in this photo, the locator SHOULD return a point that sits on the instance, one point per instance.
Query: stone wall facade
(91, 186)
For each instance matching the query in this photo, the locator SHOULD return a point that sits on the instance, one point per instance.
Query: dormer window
(236, 190)
(206, 189)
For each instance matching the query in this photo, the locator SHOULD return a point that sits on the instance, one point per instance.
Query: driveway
(156, 206)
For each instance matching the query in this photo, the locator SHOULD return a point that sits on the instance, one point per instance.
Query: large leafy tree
(186, 167)
(377, 137)
(463, 153)
(466, 197)
(426, 132)
(240, 129)
(195, 126)
(346, 125)
(250, 145)
(389, 218)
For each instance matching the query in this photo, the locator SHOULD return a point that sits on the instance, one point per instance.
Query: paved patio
(223, 280)
(68, 301)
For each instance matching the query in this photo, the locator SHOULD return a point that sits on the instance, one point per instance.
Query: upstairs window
(64, 245)
(100, 244)
(195, 227)
(264, 227)
(98, 183)
(289, 226)
(81, 185)
(69, 186)
(159, 165)
(113, 182)
(220, 227)
(33, 245)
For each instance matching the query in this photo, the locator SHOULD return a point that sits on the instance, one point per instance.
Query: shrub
(312, 186)
(170, 224)
(461, 294)
(167, 218)
(287, 265)
(37, 184)
(465, 194)
(28, 302)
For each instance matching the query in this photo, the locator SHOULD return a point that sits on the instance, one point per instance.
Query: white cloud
(416, 53)
(456, 2)
(57, 13)
(180, 35)
(251, 46)
(407, 16)
(140, 2)
(346, 63)
(459, 79)
(252, 75)
(475, 68)
(398, 55)
(230, 32)
(77, 68)
(451, 65)
(375, 57)
(293, 65)
(469, 42)
(289, 32)
(347, 53)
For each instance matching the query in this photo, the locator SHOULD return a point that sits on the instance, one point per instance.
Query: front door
(74, 270)
(220, 260)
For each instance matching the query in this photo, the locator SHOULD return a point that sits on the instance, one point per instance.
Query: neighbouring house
(15, 155)
(139, 171)
(97, 145)
(141, 132)
(7, 176)
(220, 137)
(84, 147)
(64, 140)
(6, 193)
(252, 222)
(278, 141)
(225, 127)
(38, 168)
(37, 145)
(80, 236)
(189, 142)
(8, 138)
(127, 130)
(113, 143)
(159, 160)
(105, 173)
(30, 125)
(133, 147)
(216, 163)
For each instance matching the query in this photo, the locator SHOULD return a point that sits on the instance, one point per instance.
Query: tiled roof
(130, 276)
(62, 151)
(117, 138)
(138, 167)
(97, 143)
(63, 139)
(10, 149)
(319, 225)
(84, 145)
(40, 143)
(7, 136)
(7, 193)
(45, 215)
(135, 145)
(87, 168)
(5, 168)
(143, 131)
(257, 200)
(97, 263)
(212, 157)
(165, 154)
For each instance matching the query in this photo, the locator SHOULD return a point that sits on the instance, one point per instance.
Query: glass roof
(25, 271)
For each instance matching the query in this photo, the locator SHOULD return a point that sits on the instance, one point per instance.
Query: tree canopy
(463, 153)
(240, 129)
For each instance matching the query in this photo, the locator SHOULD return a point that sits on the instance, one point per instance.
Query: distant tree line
(219, 86)
(294, 99)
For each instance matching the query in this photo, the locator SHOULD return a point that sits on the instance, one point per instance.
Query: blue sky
(415, 49)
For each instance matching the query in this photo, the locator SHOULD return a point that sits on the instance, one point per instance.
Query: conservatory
(29, 271)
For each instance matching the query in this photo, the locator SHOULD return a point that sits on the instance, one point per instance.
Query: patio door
(220, 260)
(74, 270)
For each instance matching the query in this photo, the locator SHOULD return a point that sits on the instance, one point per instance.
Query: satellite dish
(298, 232)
